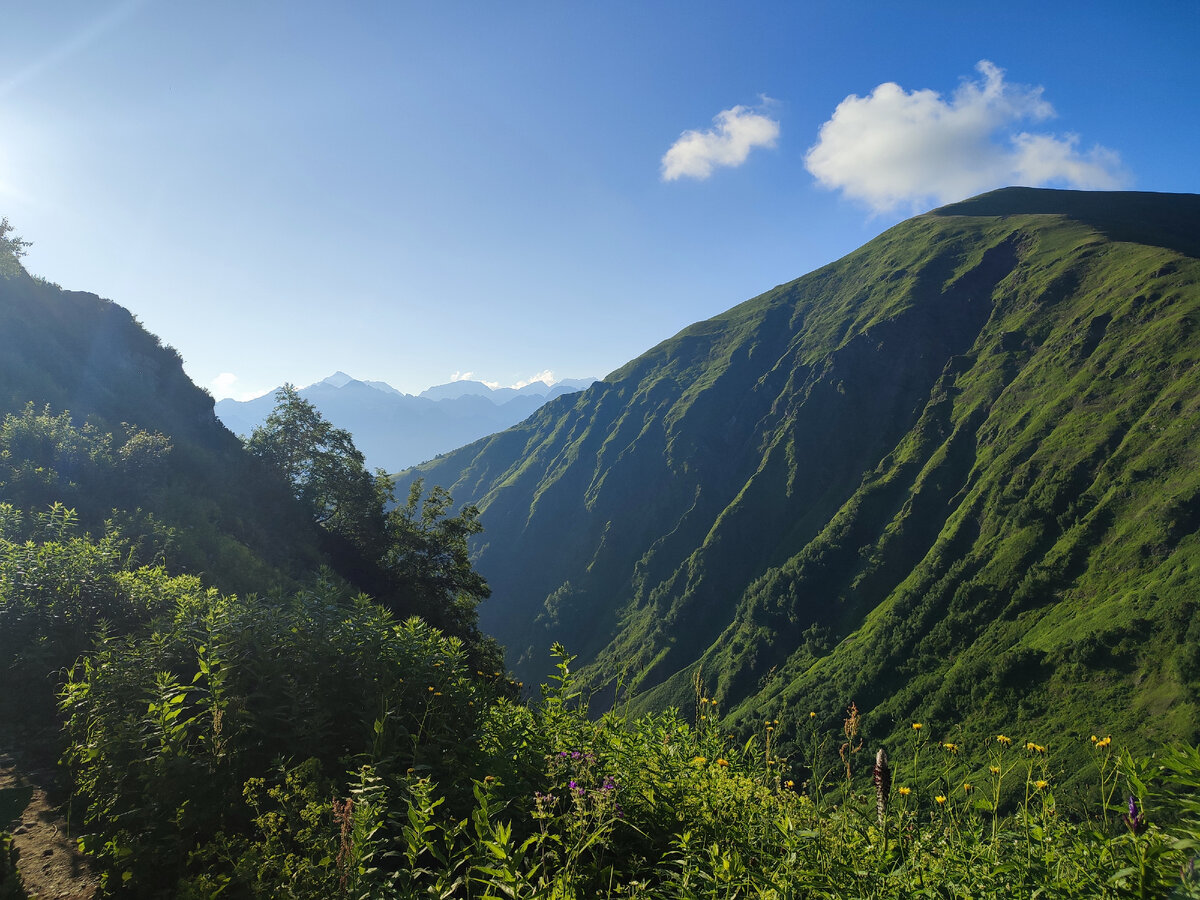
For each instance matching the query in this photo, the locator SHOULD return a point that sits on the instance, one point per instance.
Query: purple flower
(1134, 820)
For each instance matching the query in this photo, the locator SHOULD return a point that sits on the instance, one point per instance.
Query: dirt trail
(50, 864)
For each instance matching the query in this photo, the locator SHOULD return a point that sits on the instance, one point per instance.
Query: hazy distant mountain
(395, 430)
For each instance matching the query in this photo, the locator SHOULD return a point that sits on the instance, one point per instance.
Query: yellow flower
(770, 728)
(995, 770)
(950, 748)
(812, 715)
(968, 787)
(1103, 743)
(1041, 785)
(916, 726)
(723, 763)
(789, 784)
(941, 800)
(1094, 739)
(698, 760)
(904, 791)
(1003, 741)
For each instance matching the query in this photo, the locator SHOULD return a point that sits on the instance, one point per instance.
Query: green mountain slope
(170, 470)
(952, 475)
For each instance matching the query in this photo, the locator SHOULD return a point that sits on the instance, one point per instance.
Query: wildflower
(812, 715)
(882, 776)
(699, 760)
(488, 779)
(950, 748)
(1094, 739)
(724, 763)
(789, 784)
(1135, 821)
(995, 770)
(903, 791)
(1003, 741)
(940, 799)
(770, 728)
(430, 688)
(968, 787)
(437, 693)
(1103, 743)
(917, 726)
(1041, 785)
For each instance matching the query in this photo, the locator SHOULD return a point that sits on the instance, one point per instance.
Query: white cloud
(223, 387)
(546, 377)
(462, 376)
(737, 132)
(895, 147)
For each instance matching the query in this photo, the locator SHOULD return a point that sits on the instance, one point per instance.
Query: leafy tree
(428, 559)
(412, 557)
(325, 469)
(11, 250)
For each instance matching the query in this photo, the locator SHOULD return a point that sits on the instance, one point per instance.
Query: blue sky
(414, 191)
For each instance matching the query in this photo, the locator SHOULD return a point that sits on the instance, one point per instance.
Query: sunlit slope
(954, 468)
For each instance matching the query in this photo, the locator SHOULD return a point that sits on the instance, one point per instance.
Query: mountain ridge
(753, 496)
(395, 430)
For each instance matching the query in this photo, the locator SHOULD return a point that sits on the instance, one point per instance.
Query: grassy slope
(76, 352)
(950, 471)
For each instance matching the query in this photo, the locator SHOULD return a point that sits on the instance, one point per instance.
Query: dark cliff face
(754, 496)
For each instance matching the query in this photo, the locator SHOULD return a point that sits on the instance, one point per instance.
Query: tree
(326, 471)
(11, 250)
(427, 559)
(412, 557)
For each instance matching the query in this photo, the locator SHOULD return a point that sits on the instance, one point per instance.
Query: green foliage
(323, 467)
(412, 557)
(10, 879)
(167, 730)
(12, 248)
(654, 808)
(60, 593)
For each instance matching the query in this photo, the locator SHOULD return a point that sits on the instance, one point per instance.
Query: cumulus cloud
(737, 132)
(896, 147)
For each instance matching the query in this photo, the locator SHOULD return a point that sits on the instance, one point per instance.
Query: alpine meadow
(880, 584)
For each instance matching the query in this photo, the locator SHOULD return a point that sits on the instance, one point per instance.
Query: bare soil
(50, 864)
